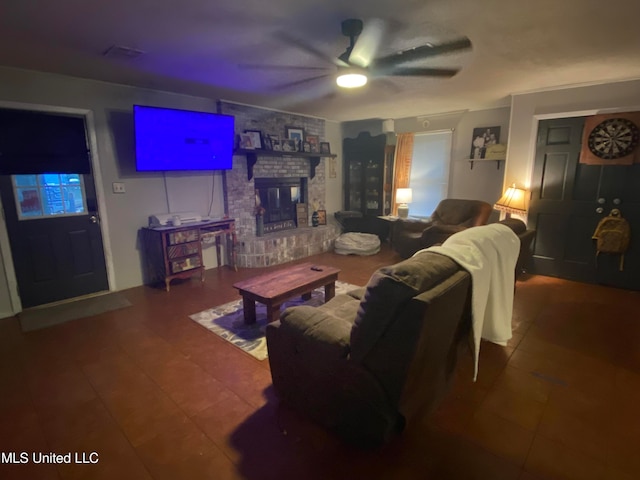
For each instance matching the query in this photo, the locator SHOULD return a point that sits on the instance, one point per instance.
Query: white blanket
(489, 253)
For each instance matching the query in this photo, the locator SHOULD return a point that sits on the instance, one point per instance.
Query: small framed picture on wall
(482, 138)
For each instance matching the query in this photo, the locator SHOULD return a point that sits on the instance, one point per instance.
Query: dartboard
(613, 138)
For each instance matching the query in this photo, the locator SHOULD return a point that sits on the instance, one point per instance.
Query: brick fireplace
(282, 245)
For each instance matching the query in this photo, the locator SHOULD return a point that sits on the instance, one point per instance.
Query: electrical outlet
(118, 187)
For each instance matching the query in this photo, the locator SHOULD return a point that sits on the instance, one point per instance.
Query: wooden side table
(176, 252)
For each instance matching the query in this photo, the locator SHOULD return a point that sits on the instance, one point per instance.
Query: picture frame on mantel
(289, 145)
(325, 148)
(256, 138)
(275, 142)
(245, 142)
(322, 217)
(295, 133)
(314, 143)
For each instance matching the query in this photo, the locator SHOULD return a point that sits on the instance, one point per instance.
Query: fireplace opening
(279, 197)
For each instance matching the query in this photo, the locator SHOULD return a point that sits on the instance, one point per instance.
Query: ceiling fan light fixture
(351, 78)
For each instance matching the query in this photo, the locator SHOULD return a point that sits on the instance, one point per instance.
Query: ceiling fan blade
(416, 72)
(388, 84)
(367, 43)
(302, 45)
(424, 51)
(261, 66)
(285, 86)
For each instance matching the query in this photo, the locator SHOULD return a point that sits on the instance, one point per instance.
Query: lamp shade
(513, 201)
(403, 195)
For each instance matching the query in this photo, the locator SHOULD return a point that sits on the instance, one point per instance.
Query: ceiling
(195, 47)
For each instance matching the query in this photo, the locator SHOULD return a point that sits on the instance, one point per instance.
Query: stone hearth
(285, 246)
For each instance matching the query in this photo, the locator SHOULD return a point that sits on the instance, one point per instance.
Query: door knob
(602, 201)
(93, 219)
(599, 210)
(617, 201)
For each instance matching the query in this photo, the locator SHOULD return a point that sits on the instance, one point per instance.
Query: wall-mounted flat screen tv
(170, 139)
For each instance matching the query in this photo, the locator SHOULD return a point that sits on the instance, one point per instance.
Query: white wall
(527, 109)
(334, 197)
(484, 181)
(111, 112)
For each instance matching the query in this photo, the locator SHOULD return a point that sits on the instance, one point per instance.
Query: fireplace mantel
(252, 158)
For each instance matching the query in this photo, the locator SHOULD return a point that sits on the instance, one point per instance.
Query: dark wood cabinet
(366, 173)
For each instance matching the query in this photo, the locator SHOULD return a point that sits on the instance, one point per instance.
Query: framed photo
(482, 138)
(306, 147)
(275, 142)
(267, 144)
(322, 217)
(245, 142)
(295, 133)
(256, 138)
(314, 143)
(325, 147)
(289, 145)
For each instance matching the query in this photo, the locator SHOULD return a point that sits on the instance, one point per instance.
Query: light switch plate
(118, 187)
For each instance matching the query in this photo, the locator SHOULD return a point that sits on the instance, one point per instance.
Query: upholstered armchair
(450, 216)
(369, 361)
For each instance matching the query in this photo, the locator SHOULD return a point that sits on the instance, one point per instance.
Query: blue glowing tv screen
(169, 139)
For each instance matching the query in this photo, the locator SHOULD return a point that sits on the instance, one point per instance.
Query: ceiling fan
(357, 63)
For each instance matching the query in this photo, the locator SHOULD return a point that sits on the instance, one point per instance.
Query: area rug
(37, 318)
(227, 321)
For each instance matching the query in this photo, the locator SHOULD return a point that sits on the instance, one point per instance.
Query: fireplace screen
(279, 196)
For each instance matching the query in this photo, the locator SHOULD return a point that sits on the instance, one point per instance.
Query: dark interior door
(55, 257)
(567, 202)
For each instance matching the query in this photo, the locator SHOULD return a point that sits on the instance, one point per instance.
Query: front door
(567, 202)
(55, 237)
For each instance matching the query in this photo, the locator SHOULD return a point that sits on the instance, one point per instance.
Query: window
(429, 179)
(49, 194)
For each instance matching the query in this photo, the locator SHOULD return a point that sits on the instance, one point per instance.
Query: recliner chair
(450, 216)
(368, 361)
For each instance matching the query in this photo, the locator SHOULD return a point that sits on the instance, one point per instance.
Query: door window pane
(49, 194)
(25, 180)
(28, 202)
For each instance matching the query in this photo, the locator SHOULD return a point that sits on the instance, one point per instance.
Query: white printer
(176, 218)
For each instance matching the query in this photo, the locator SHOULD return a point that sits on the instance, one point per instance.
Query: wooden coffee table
(272, 289)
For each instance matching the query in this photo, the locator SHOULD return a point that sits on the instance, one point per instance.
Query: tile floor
(159, 397)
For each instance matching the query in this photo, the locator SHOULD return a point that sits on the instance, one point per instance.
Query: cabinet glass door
(355, 186)
(373, 183)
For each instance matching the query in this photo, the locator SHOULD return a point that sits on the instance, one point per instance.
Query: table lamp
(513, 201)
(403, 197)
